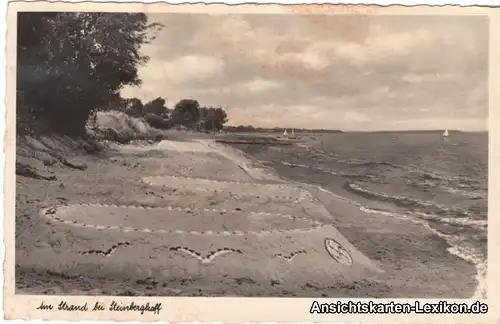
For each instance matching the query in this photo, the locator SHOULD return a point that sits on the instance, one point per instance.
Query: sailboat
(293, 134)
(445, 133)
(285, 133)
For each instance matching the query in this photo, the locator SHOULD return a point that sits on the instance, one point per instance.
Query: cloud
(260, 85)
(271, 115)
(442, 123)
(382, 46)
(415, 78)
(356, 116)
(348, 72)
(249, 88)
(188, 68)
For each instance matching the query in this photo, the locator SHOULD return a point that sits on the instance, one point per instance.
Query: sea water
(440, 183)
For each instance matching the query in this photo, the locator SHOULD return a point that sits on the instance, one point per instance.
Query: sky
(334, 72)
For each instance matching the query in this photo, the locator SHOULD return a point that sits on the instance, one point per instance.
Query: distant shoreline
(246, 129)
(419, 131)
(251, 129)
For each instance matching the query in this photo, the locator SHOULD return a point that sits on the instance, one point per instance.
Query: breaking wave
(458, 247)
(463, 227)
(330, 171)
(407, 202)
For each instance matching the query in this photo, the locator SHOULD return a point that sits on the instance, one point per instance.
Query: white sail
(285, 133)
(445, 134)
(293, 132)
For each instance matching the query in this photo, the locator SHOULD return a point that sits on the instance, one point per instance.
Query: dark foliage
(186, 112)
(133, 107)
(157, 121)
(212, 118)
(157, 107)
(71, 63)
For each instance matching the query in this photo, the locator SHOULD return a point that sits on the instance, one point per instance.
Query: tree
(221, 118)
(157, 121)
(186, 112)
(157, 107)
(213, 118)
(133, 107)
(70, 63)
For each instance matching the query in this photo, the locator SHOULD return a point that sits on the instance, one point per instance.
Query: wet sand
(414, 261)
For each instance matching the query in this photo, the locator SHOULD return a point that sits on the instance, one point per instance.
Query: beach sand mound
(251, 166)
(211, 249)
(191, 164)
(198, 158)
(167, 145)
(232, 195)
(208, 228)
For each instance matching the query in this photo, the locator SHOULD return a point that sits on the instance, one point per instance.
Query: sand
(198, 218)
(168, 220)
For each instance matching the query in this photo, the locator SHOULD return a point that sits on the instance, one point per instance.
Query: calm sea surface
(440, 183)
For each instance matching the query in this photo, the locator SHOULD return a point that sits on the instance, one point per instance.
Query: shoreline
(473, 284)
(348, 219)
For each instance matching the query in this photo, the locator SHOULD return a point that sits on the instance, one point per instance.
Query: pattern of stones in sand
(291, 256)
(204, 259)
(52, 214)
(208, 258)
(105, 253)
(304, 195)
(338, 252)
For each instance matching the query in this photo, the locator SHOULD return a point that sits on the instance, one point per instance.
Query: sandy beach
(203, 219)
(275, 152)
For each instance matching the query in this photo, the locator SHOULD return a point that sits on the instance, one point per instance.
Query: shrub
(157, 121)
(119, 127)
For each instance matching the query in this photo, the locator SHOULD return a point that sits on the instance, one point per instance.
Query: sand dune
(223, 219)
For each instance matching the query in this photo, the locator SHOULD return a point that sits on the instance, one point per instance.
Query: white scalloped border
(51, 214)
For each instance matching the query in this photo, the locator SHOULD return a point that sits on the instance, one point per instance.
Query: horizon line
(363, 131)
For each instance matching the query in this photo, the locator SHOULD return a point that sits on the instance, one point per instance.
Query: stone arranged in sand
(294, 259)
(302, 255)
(174, 219)
(267, 190)
(259, 197)
(230, 222)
